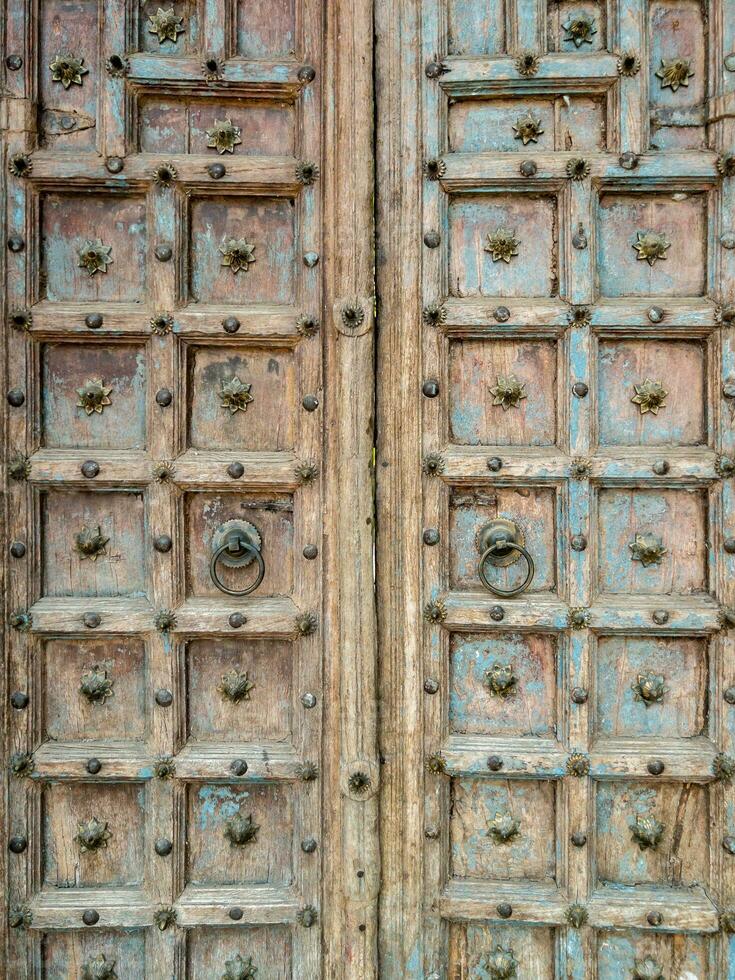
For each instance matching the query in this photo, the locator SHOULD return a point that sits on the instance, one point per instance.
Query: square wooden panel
(118, 568)
(677, 30)
(679, 222)
(215, 668)
(113, 670)
(470, 944)
(677, 853)
(270, 513)
(68, 115)
(211, 859)
(476, 28)
(576, 26)
(66, 953)
(474, 222)
(167, 124)
(535, 124)
(677, 955)
(266, 223)
(188, 41)
(475, 369)
(532, 508)
(119, 861)
(267, 947)
(679, 367)
(266, 30)
(631, 519)
(107, 419)
(115, 225)
(479, 806)
(485, 700)
(265, 423)
(621, 710)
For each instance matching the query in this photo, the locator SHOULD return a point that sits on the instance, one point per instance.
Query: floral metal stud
(165, 174)
(307, 916)
(727, 920)
(237, 254)
(577, 168)
(504, 828)
(647, 549)
(501, 681)
(224, 136)
(527, 63)
(99, 968)
(19, 917)
(726, 164)
(508, 391)
(239, 969)
(527, 128)
(165, 620)
(352, 315)
(649, 688)
(241, 830)
(674, 72)
(94, 396)
(68, 69)
(92, 835)
(235, 686)
(19, 467)
(723, 767)
(436, 764)
(161, 324)
(579, 468)
(576, 915)
(435, 612)
(647, 969)
(580, 30)
(212, 68)
(359, 782)
(307, 325)
(650, 395)
(433, 464)
(629, 64)
(21, 620)
(22, 764)
(434, 169)
(91, 543)
(306, 471)
(651, 246)
(725, 466)
(94, 256)
(306, 623)
(235, 395)
(20, 319)
(579, 316)
(117, 66)
(166, 25)
(164, 917)
(307, 771)
(502, 245)
(306, 173)
(164, 766)
(501, 964)
(578, 764)
(647, 832)
(164, 471)
(578, 618)
(434, 314)
(20, 165)
(97, 685)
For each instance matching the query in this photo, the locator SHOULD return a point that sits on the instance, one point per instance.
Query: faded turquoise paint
(533, 947)
(577, 967)
(686, 956)
(218, 803)
(474, 29)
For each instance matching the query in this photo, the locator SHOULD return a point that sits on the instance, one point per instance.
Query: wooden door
(556, 309)
(191, 790)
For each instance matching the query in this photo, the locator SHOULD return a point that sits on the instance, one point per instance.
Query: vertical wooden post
(351, 856)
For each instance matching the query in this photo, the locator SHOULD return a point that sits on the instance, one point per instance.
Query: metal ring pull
(501, 543)
(236, 544)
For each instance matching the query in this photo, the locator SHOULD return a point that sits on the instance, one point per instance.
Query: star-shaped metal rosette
(92, 835)
(650, 396)
(99, 968)
(527, 128)
(224, 136)
(647, 832)
(508, 391)
(239, 969)
(504, 828)
(647, 968)
(651, 246)
(235, 395)
(166, 24)
(647, 549)
(94, 396)
(94, 256)
(237, 254)
(580, 30)
(674, 72)
(502, 245)
(501, 963)
(91, 543)
(649, 688)
(68, 70)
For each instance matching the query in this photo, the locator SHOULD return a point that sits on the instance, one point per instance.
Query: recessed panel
(576, 26)
(652, 541)
(170, 30)
(503, 392)
(652, 244)
(267, 949)
(92, 543)
(503, 245)
(241, 398)
(503, 684)
(532, 509)
(266, 30)
(532, 948)
(272, 516)
(652, 393)
(652, 833)
(678, 74)
(651, 686)
(93, 395)
(675, 955)
(239, 690)
(93, 247)
(94, 687)
(239, 834)
(476, 27)
(242, 250)
(503, 829)
(170, 125)
(66, 952)
(93, 834)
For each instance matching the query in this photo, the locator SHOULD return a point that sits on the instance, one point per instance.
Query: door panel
(557, 352)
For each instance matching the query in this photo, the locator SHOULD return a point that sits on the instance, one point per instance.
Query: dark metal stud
(432, 833)
(661, 467)
(310, 552)
(90, 468)
(729, 695)
(90, 917)
(114, 164)
(94, 321)
(308, 700)
(432, 239)
(431, 685)
(14, 62)
(311, 259)
(728, 844)
(16, 243)
(162, 543)
(578, 838)
(579, 695)
(435, 69)
(494, 763)
(528, 168)
(655, 314)
(309, 845)
(18, 844)
(431, 536)
(238, 767)
(306, 73)
(501, 314)
(235, 470)
(231, 324)
(579, 238)
(497, 614)
(20, 700)
(430, 388)
(235, 913)
(578, 542)
(237, 620)
(216, 170)
(728, 544)
(163, 253)
(505, 910)
(655, 767)
(628, 161)
(164, 697)
(91, 620)
(164, 397)
(163, 847)
(16, 397)
(310, 403)
(93, 766)
(495, 463)
(654, 918)
(17, 549)
(660, 617)
(580, 389)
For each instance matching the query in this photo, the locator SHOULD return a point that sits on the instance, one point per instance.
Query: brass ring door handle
(501, 543)
(236, 544)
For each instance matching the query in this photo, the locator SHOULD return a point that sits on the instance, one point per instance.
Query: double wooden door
(368, 527)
